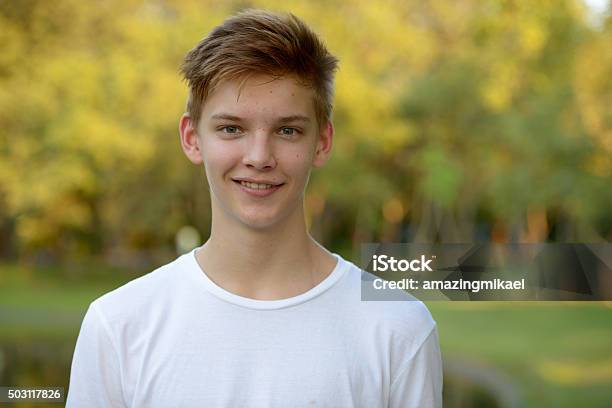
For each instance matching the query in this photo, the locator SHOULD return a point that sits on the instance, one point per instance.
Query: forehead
(260, 97)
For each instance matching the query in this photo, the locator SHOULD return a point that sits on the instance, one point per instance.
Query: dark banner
(546, 271)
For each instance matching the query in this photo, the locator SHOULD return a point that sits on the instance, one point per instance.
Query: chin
(259, 224)
(261, 221)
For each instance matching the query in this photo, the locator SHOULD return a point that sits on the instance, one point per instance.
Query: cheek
(301, 163)
(219, 157)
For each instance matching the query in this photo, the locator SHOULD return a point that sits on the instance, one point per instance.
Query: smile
(257, 189)
(256, 186)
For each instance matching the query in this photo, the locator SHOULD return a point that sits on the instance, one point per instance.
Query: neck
(268, 263)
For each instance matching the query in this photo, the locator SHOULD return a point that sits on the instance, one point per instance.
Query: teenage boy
(261, 315)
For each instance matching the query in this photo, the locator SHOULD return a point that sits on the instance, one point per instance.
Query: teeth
(256, 186)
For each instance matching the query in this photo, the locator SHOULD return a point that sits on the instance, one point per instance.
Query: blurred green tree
(448, 115)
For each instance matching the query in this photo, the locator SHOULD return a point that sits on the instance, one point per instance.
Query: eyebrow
(226, 116)
(283, 119)
(294, 118)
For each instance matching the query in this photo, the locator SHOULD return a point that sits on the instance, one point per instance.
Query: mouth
(258, 189)
(257, 186)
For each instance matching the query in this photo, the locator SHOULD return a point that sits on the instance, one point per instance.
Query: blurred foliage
(448, 115)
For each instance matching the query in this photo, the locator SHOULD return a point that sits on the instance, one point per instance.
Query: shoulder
(142, 295)
(396, 312)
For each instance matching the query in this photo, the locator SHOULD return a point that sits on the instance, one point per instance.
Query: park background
(456, 121)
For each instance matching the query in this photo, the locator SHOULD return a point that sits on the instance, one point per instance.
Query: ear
(324, 145)
(189, 139)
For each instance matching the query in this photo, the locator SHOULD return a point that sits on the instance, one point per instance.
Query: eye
(229, 129)
(289, 131)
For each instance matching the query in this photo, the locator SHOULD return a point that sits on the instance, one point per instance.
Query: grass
(556, 354)
(47, 303)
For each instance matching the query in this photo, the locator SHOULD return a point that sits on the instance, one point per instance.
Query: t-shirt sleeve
(419, 380)
(95, 376)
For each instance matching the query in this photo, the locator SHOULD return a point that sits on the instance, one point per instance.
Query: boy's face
(258, 148)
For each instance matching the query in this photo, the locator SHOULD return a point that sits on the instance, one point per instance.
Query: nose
(259, 152)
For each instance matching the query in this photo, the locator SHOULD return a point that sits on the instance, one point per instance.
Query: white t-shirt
(173, 338)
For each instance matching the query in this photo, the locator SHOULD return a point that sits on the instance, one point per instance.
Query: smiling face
(258, 148)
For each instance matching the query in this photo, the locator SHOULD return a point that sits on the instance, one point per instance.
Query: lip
(256, 192)
(250, 180)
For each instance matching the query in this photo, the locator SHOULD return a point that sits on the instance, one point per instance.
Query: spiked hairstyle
(260, 42)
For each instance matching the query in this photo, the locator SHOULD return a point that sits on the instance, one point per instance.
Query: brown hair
(260, 42)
